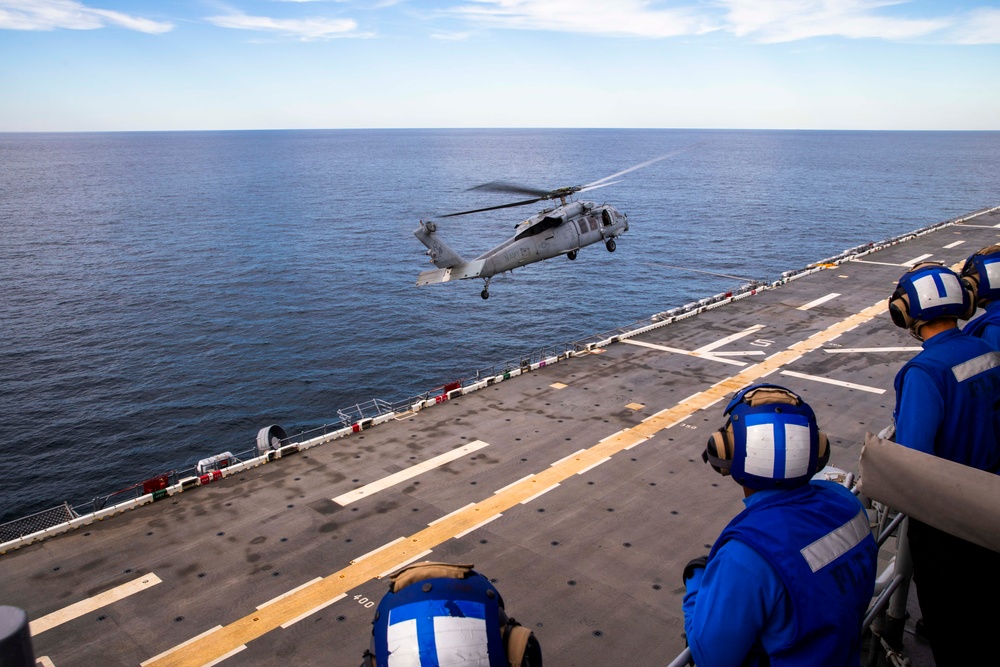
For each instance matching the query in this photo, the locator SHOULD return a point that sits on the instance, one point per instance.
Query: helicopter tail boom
(439, 252)
(471, 269)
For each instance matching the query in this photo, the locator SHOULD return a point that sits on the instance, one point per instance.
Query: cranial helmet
(770, 441)
(981, 274)
(444, 614)
(926, 292)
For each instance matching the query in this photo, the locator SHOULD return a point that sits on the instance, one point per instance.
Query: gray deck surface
(593, 566)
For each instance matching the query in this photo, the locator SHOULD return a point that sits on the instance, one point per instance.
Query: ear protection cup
(719, 450)
(899, 309)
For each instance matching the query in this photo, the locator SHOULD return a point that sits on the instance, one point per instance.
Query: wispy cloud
(306, 29)
(71, 15)
(980, 26)
(791, 20)
(765, 21)
(623, 18)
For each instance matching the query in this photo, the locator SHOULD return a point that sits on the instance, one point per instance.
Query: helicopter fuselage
(556, 231)
(561, 230)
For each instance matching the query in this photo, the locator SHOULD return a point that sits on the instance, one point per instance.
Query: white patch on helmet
(461, 641)
(761, 457)
(928, 295)
(797, 450)
(992, 280)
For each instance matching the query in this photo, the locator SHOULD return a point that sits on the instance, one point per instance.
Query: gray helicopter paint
(552, 232)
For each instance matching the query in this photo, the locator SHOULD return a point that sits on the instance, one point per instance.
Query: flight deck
(577, 487)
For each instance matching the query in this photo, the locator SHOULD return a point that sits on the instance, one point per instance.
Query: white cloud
(981, 26)
(71, 15)
(767, 21)
(307, 29)
(791, 20)
(623, 18)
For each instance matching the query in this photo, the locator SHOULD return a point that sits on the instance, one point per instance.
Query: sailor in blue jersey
(790, 578)
(981, 274)
(948, 405)
(438, 614)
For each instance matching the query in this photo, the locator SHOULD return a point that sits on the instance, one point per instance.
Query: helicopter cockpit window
(606, 217)
(542, 225)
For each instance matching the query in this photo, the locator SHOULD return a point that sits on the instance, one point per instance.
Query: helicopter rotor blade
(634, 167)
(493, 208)
(513, 188)
(584, 188)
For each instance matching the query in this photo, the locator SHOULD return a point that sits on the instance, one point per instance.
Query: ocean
(165, 295)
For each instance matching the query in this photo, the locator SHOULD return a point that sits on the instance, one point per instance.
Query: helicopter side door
(589, 230)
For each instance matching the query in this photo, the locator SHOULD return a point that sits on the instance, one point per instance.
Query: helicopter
(559, 230)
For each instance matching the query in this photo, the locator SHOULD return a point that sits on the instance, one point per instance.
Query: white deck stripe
(180, 646)
(916, 260)
(567, 458)
(82, 607)
(820, 301)
(375, 551)
(450, 514)
(409, 473)
(839, 383)
(291, 592)
(513, 484)
(865, 350)
(955, 244)
(223, 657)
(312, 611)
(478, 525)
(869, 261)
(45, 661)
(745, 353)
(540, 493)
(594, 465)
(729, 339)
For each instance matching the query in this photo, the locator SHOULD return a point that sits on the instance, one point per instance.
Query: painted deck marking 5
(411, 472)
(252, 626)
(82, 607)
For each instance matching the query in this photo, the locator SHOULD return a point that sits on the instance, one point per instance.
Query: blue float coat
(947, 400)
(987, 325)
(759, 594)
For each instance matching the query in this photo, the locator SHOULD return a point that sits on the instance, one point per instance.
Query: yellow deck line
(262, 621)
(82, 607)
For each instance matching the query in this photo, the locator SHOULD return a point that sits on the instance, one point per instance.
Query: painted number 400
(365, 602)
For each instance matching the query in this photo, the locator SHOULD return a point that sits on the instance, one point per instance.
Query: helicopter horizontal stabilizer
(469, 270)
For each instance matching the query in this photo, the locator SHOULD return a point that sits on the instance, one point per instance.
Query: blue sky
(93, 65)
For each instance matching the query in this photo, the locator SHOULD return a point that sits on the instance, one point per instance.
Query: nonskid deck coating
(584, 504)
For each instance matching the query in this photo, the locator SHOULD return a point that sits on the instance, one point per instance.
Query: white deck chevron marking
(865, 350)
(916, 260)
(409, 473)
(839, 383)
(955, 244)
(82, 607)
(729, 339)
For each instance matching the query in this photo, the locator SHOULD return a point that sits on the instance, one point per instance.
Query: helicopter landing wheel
(610, 245)
(571, 254)
(485, 294)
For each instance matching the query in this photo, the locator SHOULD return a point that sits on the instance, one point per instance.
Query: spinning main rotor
(542, 195)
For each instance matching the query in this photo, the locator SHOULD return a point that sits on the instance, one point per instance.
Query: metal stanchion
(15, 638)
